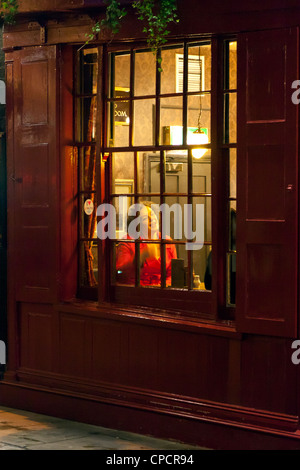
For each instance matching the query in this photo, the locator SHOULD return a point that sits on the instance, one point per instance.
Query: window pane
(144, 118)
(123, 263)
(199, 113)
(150, 264)
(118, 131)
(88, 264)
(230, 118)
(171, 73)
(199, 67)
(122, 205)
(87, 162)
(145, 72)
(230, 77)
(121, 73)
(232, 173)
(87, 71)
(171, 121)
(173, 218)
(122, 171)
(176, 172)
(231, 278)
(149, 172)
(202, 268)
(88, 209)
(179, 268)
(202, 224)
(232, 226)
(231, 255)
(202, 174)
(86, 109)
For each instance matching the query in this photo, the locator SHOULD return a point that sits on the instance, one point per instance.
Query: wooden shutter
(267, 191)
(32, 172)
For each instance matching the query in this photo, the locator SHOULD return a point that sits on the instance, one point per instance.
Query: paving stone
(23, 430)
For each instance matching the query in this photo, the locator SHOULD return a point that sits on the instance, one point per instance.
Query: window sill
(150, 317)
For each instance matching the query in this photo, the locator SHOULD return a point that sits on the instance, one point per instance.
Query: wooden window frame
(207, 305)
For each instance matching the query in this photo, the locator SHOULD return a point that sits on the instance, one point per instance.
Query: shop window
(168, 223)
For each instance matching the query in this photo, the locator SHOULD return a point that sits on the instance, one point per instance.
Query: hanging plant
(157, 14)
(8, 10)
(112, 20)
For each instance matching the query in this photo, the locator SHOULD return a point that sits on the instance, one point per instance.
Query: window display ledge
(150, 316)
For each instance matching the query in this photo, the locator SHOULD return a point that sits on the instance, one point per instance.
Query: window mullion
(131, 93)
(157, 100)
(218, 199)
(162, 200)
(103, 262)
(185, 86)
(190, 204)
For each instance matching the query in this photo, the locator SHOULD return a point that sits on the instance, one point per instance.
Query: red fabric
(150, 272)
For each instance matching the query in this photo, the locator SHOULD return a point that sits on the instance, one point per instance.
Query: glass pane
(173, 219)
(199, 67)
(231, 278)
(118, 132)
(202, 268)
(88, 264)
(149, 218)
(202, 174)
(122, 205)
(171, 121)
(123, 263)
(230, 65)
(87, 73)
(230, 118)
(121, 73)
(202, 225)
(144, 118)
(88, 215)
(145, 72)
(199, 114)
(122, 172)
(176, 172)
(172, 73)
(149, 173)
(86, 119)
(87, 161)
(232, 173)
(179, 268)
(150, 264)
(232, 226)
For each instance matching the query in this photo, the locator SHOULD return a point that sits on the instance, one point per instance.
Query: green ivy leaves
(157, 14)
(112, 20)
(8, 10)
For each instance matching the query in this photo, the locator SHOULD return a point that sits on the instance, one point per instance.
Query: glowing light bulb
(198, 138)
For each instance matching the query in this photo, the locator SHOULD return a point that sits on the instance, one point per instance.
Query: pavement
(23, 430)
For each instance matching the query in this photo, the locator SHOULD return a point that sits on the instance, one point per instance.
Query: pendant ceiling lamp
(199, 137)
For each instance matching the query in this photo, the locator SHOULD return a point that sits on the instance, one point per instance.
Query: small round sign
(88, 207)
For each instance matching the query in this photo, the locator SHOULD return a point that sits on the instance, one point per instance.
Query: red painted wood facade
(220, 384)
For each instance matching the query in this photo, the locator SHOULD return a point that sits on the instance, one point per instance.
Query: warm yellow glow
(198, 138)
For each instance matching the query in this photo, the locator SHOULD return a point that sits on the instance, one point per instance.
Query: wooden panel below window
(129, 359)
(36, 337)
(73, 345)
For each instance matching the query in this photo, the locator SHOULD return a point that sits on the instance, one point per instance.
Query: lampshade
(198, 137)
